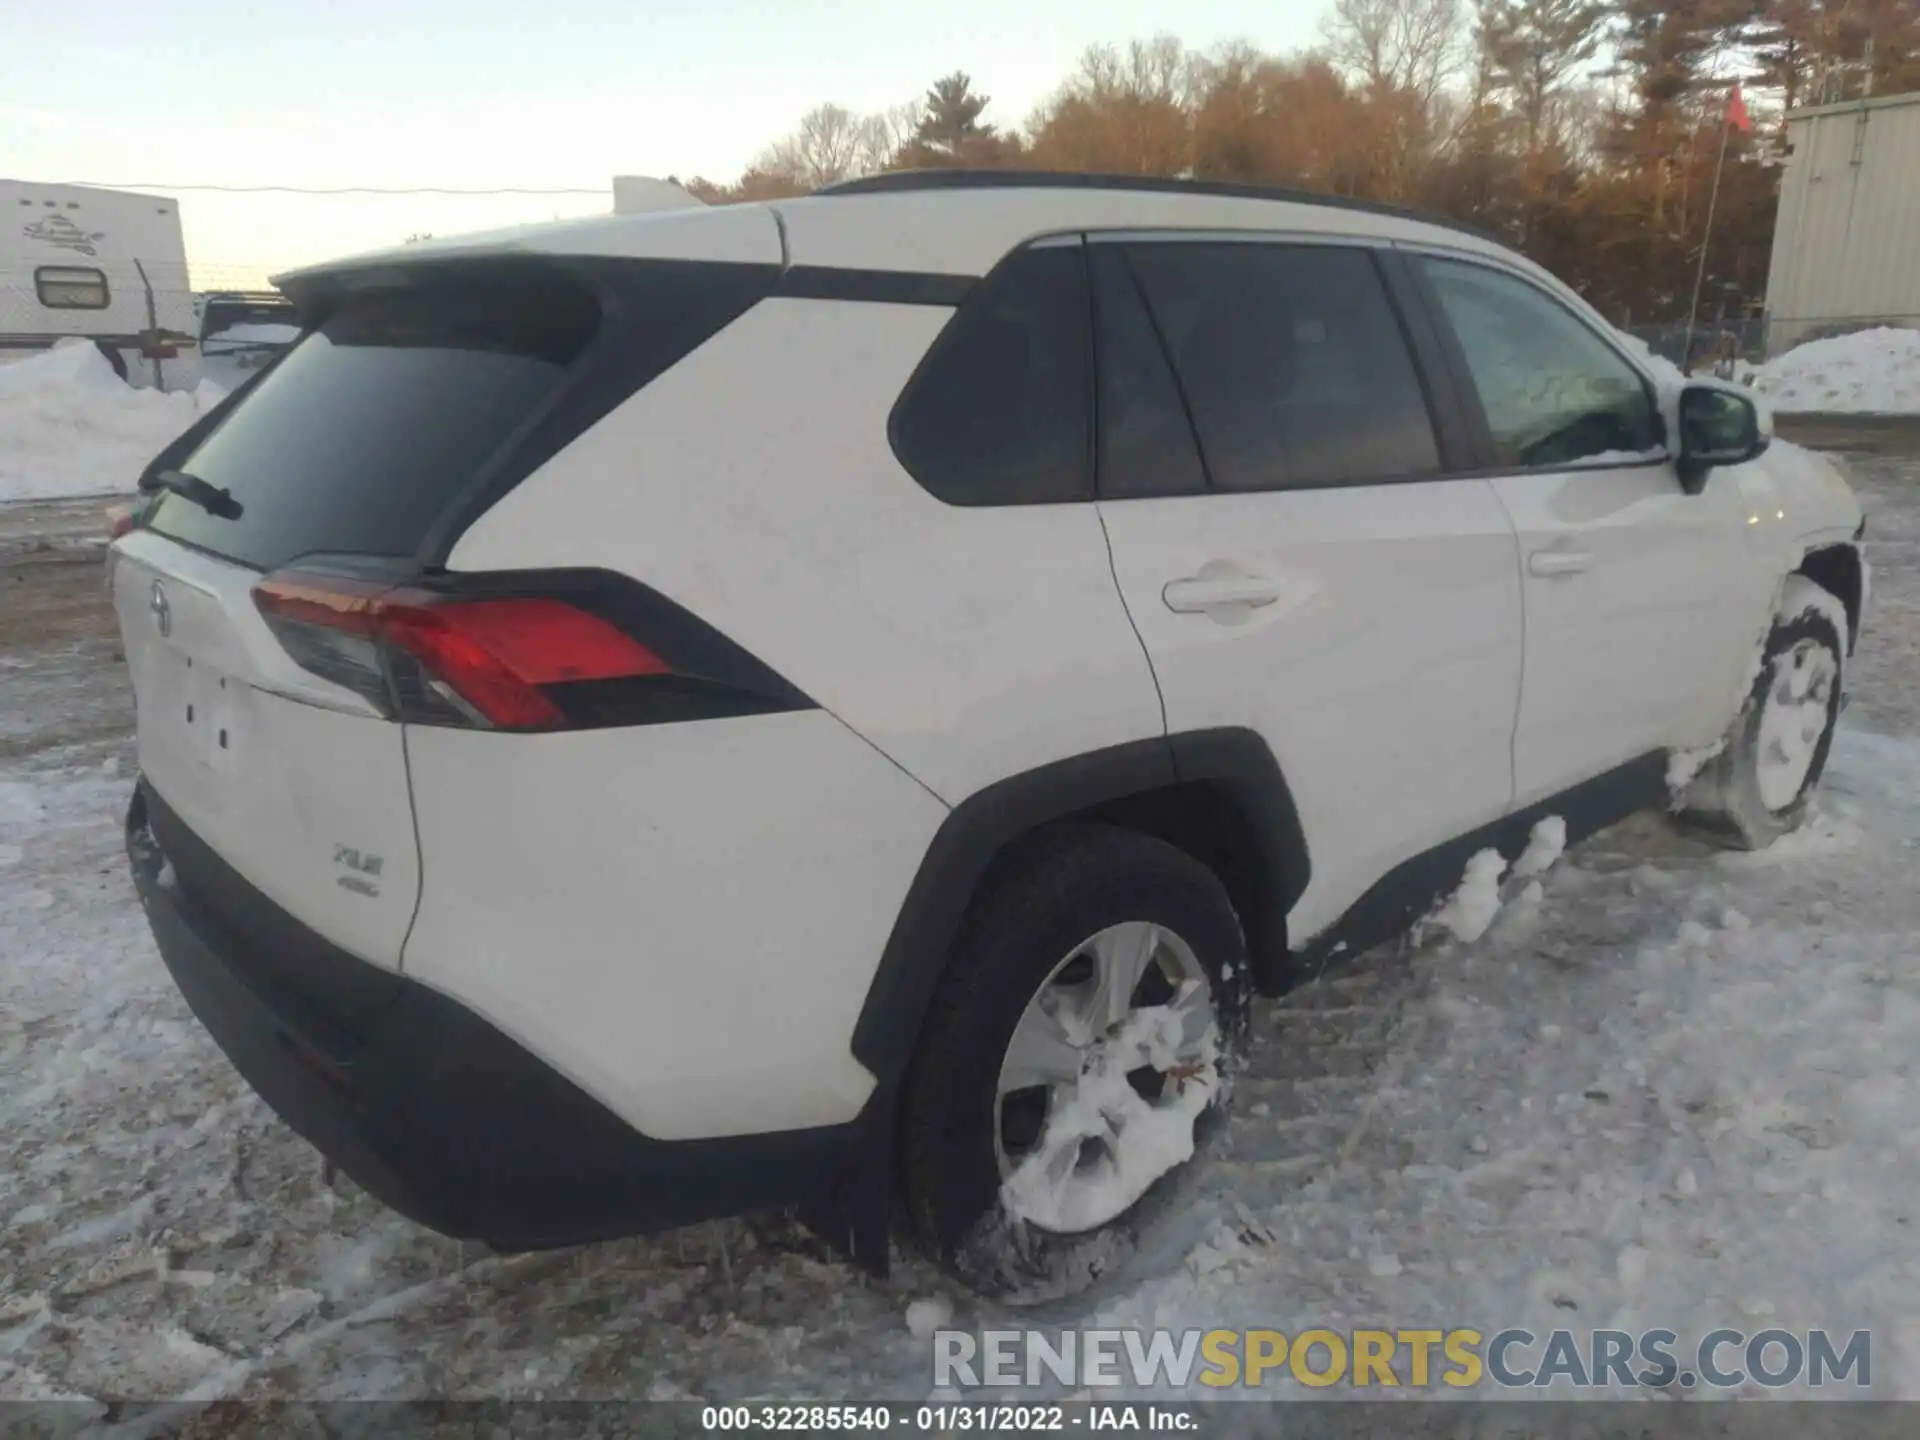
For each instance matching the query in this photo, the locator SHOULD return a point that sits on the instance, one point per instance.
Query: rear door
(1296, 559)
(345, 457)
(1639, 596)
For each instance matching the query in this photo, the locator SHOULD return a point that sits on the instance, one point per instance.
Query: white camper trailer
(106, 265)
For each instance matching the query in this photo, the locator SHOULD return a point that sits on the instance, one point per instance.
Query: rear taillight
(510, 660)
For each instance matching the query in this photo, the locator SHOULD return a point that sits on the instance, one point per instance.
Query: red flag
(1737, 115)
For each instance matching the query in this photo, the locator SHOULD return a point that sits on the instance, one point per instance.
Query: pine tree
(1779, 40)
(952, 115)
(1532, 48)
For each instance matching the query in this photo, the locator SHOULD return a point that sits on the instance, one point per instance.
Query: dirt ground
(59, 655)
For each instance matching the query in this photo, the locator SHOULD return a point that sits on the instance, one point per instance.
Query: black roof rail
(896, 182)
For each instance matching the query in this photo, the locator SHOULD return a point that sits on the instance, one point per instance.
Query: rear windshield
(374, 423)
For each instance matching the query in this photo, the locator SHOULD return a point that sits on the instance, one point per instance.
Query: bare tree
(1125, 111)
(827, 147)
(886, 133)
(1407, 45)
(831, 144)
(1160, 69)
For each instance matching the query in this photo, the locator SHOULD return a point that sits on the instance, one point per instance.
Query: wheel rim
(1794, 717)
(1113, 1060)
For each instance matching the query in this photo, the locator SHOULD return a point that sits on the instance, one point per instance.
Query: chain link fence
(1729, 345)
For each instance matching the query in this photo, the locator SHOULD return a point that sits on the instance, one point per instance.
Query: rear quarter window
(997, 413)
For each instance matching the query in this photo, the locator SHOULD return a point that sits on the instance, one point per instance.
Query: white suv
(837, 703)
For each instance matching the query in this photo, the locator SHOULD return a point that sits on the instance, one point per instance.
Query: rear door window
(997, 412)
(1146, 440)
(1293, 362)
(371, 426)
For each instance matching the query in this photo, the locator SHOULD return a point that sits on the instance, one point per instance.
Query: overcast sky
(474, 93)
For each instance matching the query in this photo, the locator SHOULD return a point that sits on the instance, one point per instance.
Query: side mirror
(1720, 424)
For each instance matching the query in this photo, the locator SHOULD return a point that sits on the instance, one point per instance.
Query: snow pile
(1545, 845)
(928, 1314)
(1868, 372)
(70, 426)
(1470, 909)
(1469, 912)
(1684, 767)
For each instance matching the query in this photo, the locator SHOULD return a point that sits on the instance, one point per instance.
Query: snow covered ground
(1869, 372)
(1666, 1086)
(70, 426)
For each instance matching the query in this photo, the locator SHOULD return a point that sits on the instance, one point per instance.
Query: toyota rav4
(838, 704)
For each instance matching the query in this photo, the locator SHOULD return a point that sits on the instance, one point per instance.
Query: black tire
(1034, 910)
(1727, 797)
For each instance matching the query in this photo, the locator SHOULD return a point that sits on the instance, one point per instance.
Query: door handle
(1558, 562)
(1207, 592)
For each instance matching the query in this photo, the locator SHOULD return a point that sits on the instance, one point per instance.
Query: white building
(1846, 245)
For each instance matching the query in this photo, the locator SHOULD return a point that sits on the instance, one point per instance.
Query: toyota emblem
(162, 611)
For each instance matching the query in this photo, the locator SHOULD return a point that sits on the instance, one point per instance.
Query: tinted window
(371, 425)
(1146, 440)
(1554, 392)
(1293, 362)
(997, 413)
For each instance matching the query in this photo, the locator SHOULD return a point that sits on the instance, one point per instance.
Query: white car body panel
(968, 644)
(1638, 650)
(1396, 641)
(1798, 500)
(1649, 646)
(682, 919)
(296, 783)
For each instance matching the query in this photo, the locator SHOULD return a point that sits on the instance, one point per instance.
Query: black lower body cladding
(427, 1106)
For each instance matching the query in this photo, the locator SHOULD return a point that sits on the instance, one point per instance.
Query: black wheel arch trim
(1234, 763)
(1840, 571)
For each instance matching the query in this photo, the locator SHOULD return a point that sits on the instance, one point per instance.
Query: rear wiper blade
(208, 496)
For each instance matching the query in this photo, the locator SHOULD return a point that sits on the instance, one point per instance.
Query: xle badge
(362, 870)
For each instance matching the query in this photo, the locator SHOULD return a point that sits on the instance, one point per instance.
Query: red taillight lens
(444, 659)
(543, 642)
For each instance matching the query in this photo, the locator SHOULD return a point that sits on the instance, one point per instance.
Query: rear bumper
(427, 1106)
